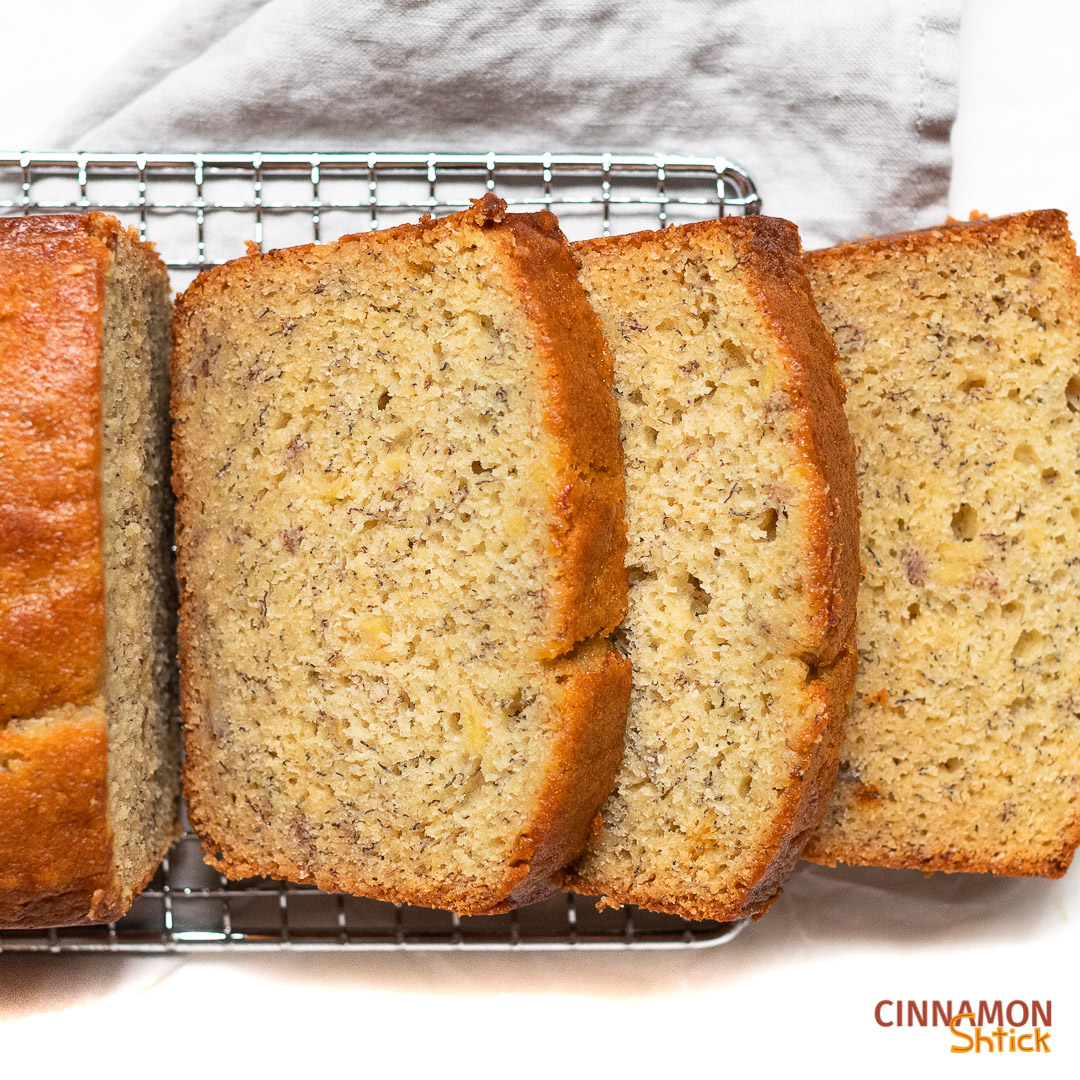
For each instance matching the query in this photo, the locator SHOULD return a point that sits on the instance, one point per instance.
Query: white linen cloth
(841, 111)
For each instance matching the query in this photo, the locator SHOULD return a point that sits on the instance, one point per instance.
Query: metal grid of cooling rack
(200, 210)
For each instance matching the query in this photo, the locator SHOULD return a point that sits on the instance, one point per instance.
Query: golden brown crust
(826, 443)
(583, 418)
(955, 861)
(56, 846)
(52, 590)
(829, 453)
(590, 726)
(806, 802)
(1052, 224)
(588, 536)
(770, 255)
(55, 851)
(55, 841)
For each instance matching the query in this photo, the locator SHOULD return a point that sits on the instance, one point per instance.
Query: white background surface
(795, 991)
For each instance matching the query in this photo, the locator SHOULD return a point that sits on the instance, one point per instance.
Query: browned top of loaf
(770, 258)
(52, 589)
(55, 841)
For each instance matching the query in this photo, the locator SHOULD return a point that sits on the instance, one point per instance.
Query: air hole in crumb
(1025, 454)
(736, 355)
(965, 523)
(913, 612)
(1027, 644)
(478, 468)
(674, 407)
(952, 764)
(1072, 393)
(699, 598)
(1012, 606)
(635, 398)
(636, 574)
(744, 786)
(767, 524)
(972, 382)
(651, 434)
(1049, 475)
(384, 400)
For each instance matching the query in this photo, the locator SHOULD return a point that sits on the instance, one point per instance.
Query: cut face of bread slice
(742, 551)
(89, 744)
(960, 347)
(401, 540)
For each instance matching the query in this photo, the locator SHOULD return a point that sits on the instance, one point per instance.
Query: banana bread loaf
(960, 347)
(743, 539)
(401, 537)
(89, 746)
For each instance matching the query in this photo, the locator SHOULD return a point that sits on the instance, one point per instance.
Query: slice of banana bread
(743, 540)
(960, 347)
(89, 745)
(401, 538)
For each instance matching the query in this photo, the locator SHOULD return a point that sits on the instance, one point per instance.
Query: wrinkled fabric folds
(841, 112)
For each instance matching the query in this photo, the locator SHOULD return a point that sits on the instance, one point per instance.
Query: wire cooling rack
(200, 210)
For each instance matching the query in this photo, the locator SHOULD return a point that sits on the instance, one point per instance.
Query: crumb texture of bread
(89, 778)
(400, 548)
(960, 348)
(742, 551)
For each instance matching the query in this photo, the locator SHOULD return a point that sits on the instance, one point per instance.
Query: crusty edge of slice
(770, 253)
